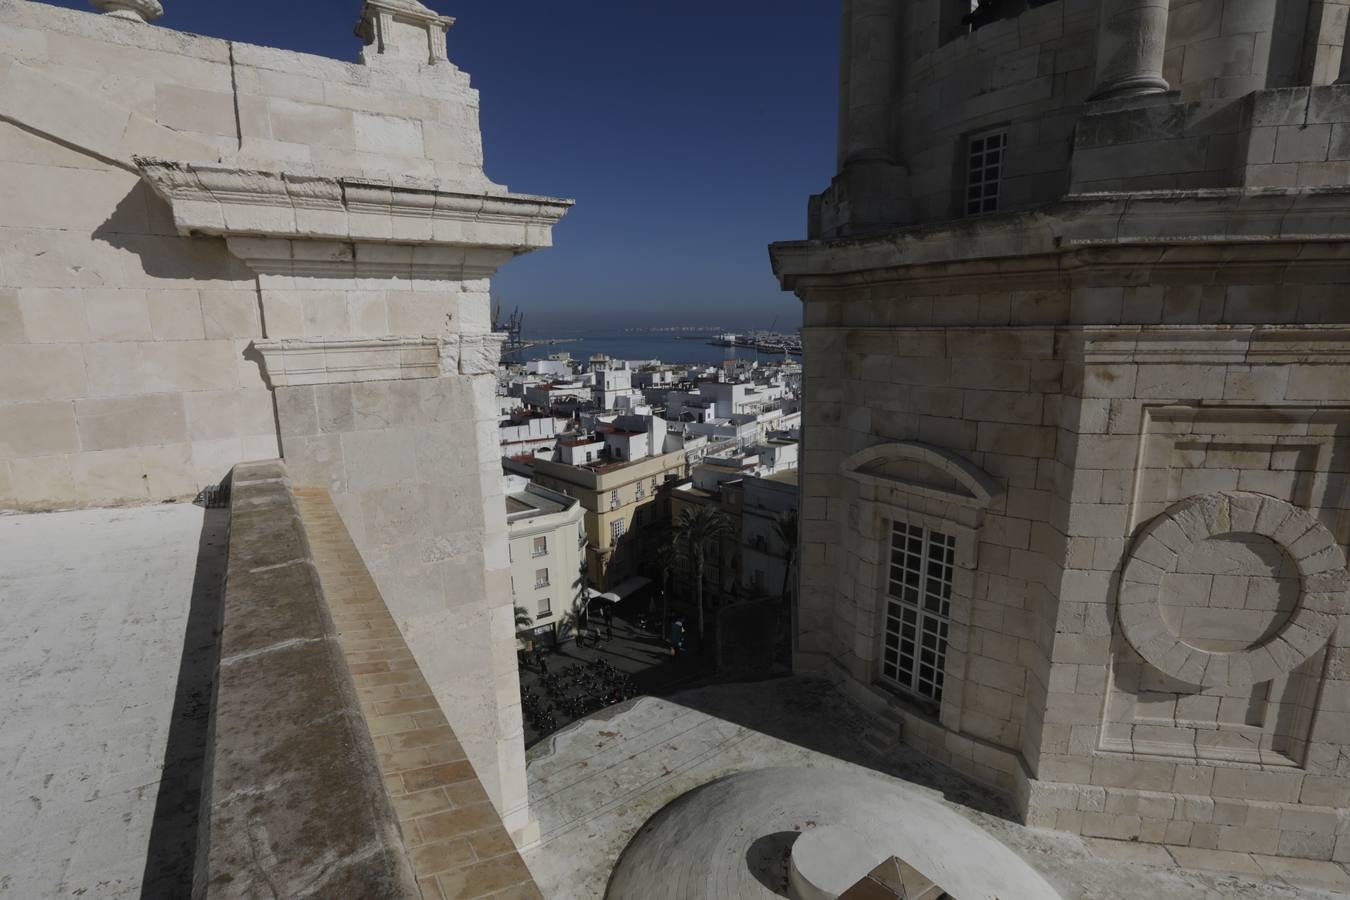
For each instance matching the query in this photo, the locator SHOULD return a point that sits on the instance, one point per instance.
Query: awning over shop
(593, 595)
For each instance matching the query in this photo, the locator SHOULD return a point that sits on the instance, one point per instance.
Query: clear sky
(690, 134)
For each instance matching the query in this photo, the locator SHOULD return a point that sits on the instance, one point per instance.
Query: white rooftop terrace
(94, 609)
(597, 782)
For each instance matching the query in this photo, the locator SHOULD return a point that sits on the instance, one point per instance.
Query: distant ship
(762, 341)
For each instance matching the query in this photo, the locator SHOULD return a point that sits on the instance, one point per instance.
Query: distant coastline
(675, 349)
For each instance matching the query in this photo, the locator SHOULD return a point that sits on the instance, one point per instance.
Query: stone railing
(334, 772)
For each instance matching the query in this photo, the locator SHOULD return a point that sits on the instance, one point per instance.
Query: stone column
(1130, 45)
(871, 27)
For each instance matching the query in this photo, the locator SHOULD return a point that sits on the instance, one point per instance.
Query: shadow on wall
(178, 835)
(142, 223)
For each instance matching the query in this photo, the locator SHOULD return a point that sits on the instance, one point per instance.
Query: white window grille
(918, 609)
(541, 546)
(615, 531)
(614, 500)
(540, 578)
(640, 491)
(984, 171)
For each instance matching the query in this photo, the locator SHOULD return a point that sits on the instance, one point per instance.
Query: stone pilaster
(1131, 42)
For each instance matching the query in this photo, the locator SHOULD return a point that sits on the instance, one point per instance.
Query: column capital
(131, 10)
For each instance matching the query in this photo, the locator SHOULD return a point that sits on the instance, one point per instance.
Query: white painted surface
(93, 607)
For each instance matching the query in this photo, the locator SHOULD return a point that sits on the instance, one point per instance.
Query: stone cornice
(221, 201)
(299, 361)
(1210, 344)
(1085, 223)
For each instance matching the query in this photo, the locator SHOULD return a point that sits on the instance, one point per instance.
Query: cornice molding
(1210, 344)
(1205, 221)
(222, 201)
(290, 362)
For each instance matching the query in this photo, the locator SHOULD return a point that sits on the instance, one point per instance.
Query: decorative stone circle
(132, 10)
(1318, 558)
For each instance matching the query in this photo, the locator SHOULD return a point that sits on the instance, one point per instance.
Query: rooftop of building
(534, 501)
(144, 740)
(601, 780)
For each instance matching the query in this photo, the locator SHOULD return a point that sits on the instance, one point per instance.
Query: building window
(540, 578)
(653, 486)
(545, 608)
(984, 171)
(640, 491)
(918, 609)
(541, 546)
(614, 500)
(615, 531)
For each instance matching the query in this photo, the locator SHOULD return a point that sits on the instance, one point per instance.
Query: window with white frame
(545, 608)
(639, 491)
(615, 531)
(614, 502)
(984, 170)
(541, 546)
(540, 578)
(918, 609)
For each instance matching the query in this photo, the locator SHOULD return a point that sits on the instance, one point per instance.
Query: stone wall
(1093, 95)
(211, 252)
(1136, 439)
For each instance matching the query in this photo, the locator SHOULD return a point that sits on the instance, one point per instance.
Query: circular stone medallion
(1231, 588)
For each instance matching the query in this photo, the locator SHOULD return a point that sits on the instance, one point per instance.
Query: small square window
(541, 578)
(541, 546)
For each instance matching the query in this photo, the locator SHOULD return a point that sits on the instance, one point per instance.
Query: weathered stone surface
(298, 802)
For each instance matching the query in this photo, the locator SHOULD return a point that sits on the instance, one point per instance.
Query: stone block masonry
(370, 793)
(1136, 442)
(244, 253)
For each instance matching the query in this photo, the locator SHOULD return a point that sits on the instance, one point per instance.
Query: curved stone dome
(732, 838)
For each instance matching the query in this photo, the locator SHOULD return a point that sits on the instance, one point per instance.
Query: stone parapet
(350, 781)
(297, 802)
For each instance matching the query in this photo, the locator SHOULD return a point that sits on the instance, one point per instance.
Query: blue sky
(690, 134)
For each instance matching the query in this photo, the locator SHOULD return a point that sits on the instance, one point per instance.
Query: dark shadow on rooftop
(178, 831)
(811, 713)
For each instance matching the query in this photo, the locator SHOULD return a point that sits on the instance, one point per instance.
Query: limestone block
(43, 482)
(32, 372)
(116, 315)
(52, 316)
(212, 415)
(192, 109)
(169, 471)
(12, 326)
(388, 135)
(175, 315)
(230, 314)
(125, 422)
(310, 124)
(38, 429)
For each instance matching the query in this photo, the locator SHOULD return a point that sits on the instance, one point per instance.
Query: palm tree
(672, 557)
(573, 620)
(523, 618)
(785, 529)
(699, 526)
